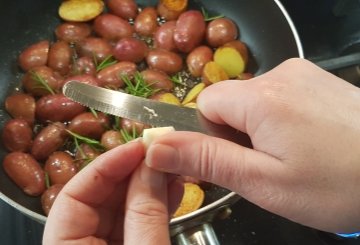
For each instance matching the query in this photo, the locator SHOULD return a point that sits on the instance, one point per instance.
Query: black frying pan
(264, 27)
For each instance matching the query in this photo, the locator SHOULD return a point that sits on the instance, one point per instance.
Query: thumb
(254, 175)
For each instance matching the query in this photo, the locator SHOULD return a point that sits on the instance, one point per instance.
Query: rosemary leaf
(41, 81)
(208, 18)
(47, 180)
(86, 140)
(138, 86)
(108, 61)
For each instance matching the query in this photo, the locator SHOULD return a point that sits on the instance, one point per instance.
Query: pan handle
(203, 234)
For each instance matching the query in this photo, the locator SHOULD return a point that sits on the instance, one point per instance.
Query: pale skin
(304, 124)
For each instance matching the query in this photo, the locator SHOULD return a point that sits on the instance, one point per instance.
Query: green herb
(41, 82)
(94, 112)
(138, 86)
(127, 136)
(117, 123)
(47, 180)
(207, 17)
(178, 80)
(78, 138)
(108, 61)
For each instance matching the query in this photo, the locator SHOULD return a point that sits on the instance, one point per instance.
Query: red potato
(130, 125)
(60, 55)
(26, 172)
(112, 27)
(22, 106)
(88, 125)
(31, 81)
(146, 22)
(85, 154)
(35, 55)
(163, 60)
(94, 47)
(72, 32)
(240, 47)
(17, 135)
(190, 30)
(198, 58)
(157, 79)
(48, 140)
(164, 36)
(60, 167)
(126, 9)
(170, 9)
(83, 65)
(49, 196)
(130, 49)
(221, 31)
(57, 108)
(111, 75)
(111, 139)
(87, 79)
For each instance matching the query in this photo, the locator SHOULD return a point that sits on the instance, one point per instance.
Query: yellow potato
(80, 10)
(230, 60)
(191, 105)
(193, 93)
(166, 98)
(192, 199)
(213, 73)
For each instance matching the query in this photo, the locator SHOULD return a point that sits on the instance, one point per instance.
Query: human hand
(304, 124)
(115, 200)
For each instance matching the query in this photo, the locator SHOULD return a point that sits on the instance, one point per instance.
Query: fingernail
(152, 177)
(162, 157)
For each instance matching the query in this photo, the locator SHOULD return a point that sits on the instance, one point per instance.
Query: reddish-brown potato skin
(85, 155)
(126, 9)
(17, 135)
(59, 58)
(72, 31)
(26, 172)
(48, 140)
(60, 167)
(221, 31)
(83, 65)
(49, 196)
(34, 55)
(146, 22)
(57, 108)
(197, 59)
(86, 124)
(240, 47)
(94, 47)
(164, 36)
(157, 79)
(190, 30)
(22, 106)
(163, 60)
(111, 139)
(87, 79)
(130, 125)
(31, 85)
(130, 49)
(112, 27)
(111, 75)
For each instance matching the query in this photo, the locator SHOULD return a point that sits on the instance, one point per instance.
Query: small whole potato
(88, 125)
(221, 31)
(83, 65)
(87, 79)
(84, 155)
(112, 27)
(17, 135)
(164, 36)
(48, 140)
(60, 167)
(111, 75)
(49, 196)
(34, 55)
(57, 108)
(94, 47)
(163, 60)
(126, 9)
(60, 55)
(32, 84)
(130, 125)
(80, 10)
(198, 58)
(157, 79)
(190, 30)
(170, 9)
(130, 49)
(72, 32)
(146, 22)
(111, 139)
(22, 106)
(26, 172)
(240, 47)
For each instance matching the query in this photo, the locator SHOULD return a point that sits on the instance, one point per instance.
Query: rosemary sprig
(178, 80)
(41, 82)
(108, 61)
(207, 17)
(78, 138)
(138, 86)
(94, 112)
(47, 180)
(129, 136)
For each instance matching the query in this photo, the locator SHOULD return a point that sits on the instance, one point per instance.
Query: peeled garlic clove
(150, 134)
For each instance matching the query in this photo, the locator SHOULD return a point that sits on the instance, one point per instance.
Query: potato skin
(49, 196)
(112, 27)
(111, 139)
(190, 30)
(20, 105)
(86, 154)
(164, 36)
(83, 65)
(130, 125)
(126, 9)
(26, 172)
(94, 47)
(163, 60)
(17, 135)
(146, 22)
(221, 31)
(72, 32)
(111, 75)
(34, 55)
(59, 58)
(197, 59)
(60, 167)
(130, 49)
(157, 79)
(85, 78)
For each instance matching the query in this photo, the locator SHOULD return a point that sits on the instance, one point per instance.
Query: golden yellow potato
(166, 98)
(230, 60)
(192, 199)
(193, 93)
(80, 10)
(213, 73)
